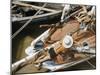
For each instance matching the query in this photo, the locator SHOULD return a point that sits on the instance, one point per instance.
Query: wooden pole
(33, 6)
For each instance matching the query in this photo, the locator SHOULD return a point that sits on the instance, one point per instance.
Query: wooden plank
(34, 17)
(33, 6)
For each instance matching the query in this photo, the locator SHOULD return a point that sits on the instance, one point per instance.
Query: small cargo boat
(60, 45)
